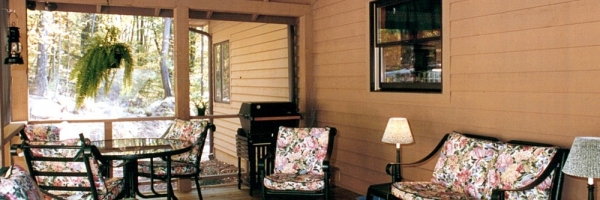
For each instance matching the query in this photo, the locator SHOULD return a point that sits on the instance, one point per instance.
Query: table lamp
(397, 132)
(584, 161)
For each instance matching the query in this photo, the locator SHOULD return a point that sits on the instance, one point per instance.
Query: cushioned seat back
(518, 165)
(19, 185)
(194, 131)
(57, 170)
(301, 150)
(42, 132)
(464, 163)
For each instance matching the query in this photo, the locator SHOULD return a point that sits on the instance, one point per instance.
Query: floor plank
(231, 192)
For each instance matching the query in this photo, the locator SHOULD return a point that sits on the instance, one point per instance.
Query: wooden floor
(231, 192)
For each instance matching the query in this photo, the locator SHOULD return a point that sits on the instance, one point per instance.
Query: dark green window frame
(406, 45)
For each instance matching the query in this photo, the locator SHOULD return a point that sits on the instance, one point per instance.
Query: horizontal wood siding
(259, 72)
(514, 70)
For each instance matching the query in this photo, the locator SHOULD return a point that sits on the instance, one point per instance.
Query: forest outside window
(406, 45)
(222, 80)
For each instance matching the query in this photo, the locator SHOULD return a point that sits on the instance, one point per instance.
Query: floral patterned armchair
(185, 165)
(69, 169)
(300, 164)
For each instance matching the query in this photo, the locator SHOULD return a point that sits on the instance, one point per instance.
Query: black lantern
(14, 47)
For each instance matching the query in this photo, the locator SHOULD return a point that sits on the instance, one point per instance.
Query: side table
(380, 190)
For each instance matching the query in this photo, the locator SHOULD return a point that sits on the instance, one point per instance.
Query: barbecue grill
(260, 123)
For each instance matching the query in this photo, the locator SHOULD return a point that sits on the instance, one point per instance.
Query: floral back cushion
(301, 150)
(42, 132)
(464, 163)
(197, 128)
(64, 166)
(180, 130)
(18, 186)
(519, 165)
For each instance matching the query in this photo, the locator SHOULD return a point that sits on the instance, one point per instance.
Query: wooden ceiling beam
(227, 6)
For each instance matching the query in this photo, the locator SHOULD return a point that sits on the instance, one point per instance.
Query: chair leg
(152, 186)
(327, 195)
(198, 187)
(171, 188)
(263, 191)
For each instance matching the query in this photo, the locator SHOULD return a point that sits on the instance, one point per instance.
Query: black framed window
(406, 45)
(222, 80)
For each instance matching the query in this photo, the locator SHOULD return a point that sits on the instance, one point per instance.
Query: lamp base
(397, 175)
(591, 192)
(13, 60)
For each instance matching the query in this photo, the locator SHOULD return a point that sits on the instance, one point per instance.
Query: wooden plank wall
(512, 69)
(259, 72)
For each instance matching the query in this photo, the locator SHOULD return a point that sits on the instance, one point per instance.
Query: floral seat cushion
(302, 182)
(426, 191)
(41, 132)
(18, 186)
(160, 167)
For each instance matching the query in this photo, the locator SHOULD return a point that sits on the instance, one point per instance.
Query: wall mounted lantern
(14, 46)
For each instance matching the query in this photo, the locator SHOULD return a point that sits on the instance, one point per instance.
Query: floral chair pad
(107, 188)
(301, 150)
(519, 165)
(189, 131)
(302, 182)
(425, 191)
(113, 187)
(41, 132)
(18, 186)
(463, 165)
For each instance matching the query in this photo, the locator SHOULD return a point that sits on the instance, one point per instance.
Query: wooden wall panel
(514, 70)
(259, 72)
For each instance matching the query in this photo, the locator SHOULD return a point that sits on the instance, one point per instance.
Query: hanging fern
(99, 64)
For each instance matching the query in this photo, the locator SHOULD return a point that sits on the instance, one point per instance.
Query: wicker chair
(300, 164)
(185, 165)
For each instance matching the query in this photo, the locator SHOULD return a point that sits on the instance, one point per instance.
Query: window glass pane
(412, 63)
(407, 45)
(222, 72)
(226, 73)
(218, 72)
(406, 21)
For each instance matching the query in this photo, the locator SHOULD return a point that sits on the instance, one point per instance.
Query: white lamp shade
(584, 158)
(397, 132)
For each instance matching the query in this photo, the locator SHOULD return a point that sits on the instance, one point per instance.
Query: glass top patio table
(135, 148)
(131, 149)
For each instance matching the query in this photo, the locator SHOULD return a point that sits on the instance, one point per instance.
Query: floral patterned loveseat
(479, 167)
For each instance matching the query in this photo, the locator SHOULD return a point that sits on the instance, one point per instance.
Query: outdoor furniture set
(78, 168)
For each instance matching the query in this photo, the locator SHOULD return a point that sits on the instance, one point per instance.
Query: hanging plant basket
(98, 66)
